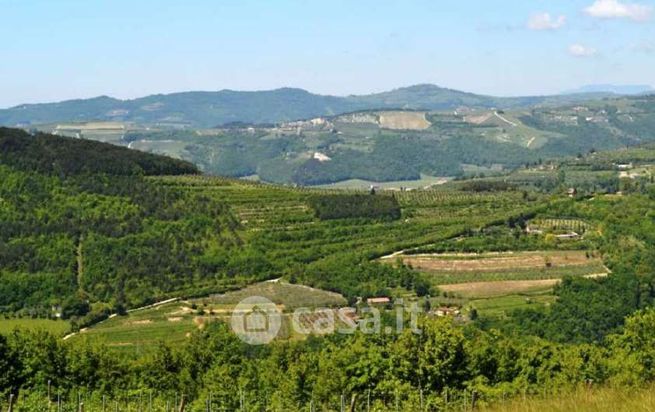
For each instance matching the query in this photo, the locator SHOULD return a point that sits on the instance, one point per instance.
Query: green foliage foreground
(444, 365)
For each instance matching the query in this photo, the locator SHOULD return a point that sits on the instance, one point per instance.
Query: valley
(299, 206)
(136, 258)
(389, 148)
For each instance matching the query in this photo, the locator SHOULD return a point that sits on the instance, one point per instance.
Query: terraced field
(499, 289)
(280, 223)
(493, 262)
(497, 274)
(576, 225)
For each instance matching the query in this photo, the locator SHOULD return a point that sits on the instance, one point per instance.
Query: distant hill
(209, 109)
(612, 88)
(396, 145)
(67, 156)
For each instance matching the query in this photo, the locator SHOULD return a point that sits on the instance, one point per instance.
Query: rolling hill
(398, 145)
(209, 109)
(418, 131)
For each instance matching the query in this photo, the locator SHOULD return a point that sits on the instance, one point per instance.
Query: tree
(634, 349)
(433, 359)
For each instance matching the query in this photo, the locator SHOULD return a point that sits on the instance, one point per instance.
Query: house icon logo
(256, 320)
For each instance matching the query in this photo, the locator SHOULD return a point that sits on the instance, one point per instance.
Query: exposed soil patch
(450, 263)
(500, 288)
(403, 120)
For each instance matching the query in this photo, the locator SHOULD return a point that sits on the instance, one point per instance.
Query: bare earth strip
(500, 288)
(505, 287)
(478, 119)
(490, 264)
(404, 120)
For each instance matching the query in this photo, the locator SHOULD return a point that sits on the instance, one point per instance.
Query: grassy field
(174, 322)
(58, 327)
(142, 329)
(584, 400)
(279, 292)
(500, 306)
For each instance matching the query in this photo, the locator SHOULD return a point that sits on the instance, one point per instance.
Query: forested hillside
(68, 157)
(84, 233)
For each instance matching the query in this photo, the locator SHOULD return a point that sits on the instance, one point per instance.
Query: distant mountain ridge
(209, 109)
(626, 89)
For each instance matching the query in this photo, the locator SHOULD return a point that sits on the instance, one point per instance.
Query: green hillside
(94, 243)
(402, 145)
(209, 109)
(510, 302)
(81, 225)
(473, 137)
(60, 155)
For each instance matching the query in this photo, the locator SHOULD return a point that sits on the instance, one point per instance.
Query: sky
(54, 50)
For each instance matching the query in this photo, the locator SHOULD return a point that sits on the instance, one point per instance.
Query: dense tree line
(355, 206)
(445, 364)
(356, 277)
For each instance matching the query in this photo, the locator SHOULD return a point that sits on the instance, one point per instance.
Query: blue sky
(56, 50)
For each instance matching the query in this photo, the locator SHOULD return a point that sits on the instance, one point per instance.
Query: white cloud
(614, 9)
(578, 50)
(544, 21)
